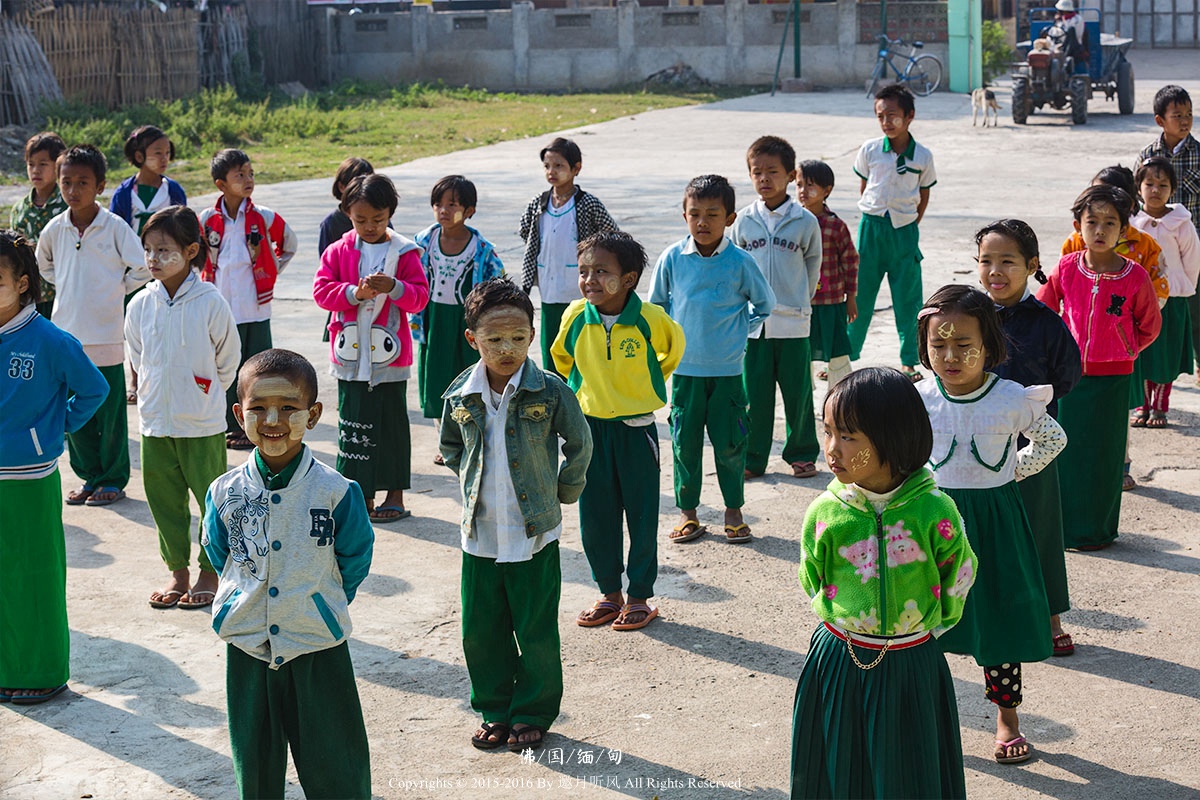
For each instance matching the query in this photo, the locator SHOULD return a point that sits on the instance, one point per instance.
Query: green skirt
(443, 357)
(1090, 469)
(888, 732)
(1170, 355)
(1006, 617)
(1043, 506)
(374, 440)
(829, 335)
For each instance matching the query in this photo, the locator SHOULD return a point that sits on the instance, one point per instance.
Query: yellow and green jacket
(619, 373)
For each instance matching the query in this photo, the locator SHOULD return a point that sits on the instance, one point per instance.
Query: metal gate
(1153, 23)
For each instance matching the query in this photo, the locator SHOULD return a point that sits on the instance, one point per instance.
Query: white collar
(689, 247)
(478, 384)
(784, 210)
(20, 319)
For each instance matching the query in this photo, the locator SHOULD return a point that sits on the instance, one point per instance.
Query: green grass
(293, 139)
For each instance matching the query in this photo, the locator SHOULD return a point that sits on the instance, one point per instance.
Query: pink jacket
(1113, 315)
(388, 339)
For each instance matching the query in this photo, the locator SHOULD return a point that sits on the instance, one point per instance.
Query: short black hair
(282, 363)
(460, 188)
(565, 148)
(226, 160)
(1019, 231)
(903, 97)
(1121, 177)
(955, 297)
(1167, 95)
(182, 226)
(1163, 165)
(773, 146)
(818, 172)
(22, 260)
(1104, 194)
(352, 167)
(630, 255)
(46, 141)
(883, 404)
(140, 139)
(493, 294)
(85, 155)
(375, 190)
(710, 187)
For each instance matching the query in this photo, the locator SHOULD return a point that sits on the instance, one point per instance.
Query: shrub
(997, 51)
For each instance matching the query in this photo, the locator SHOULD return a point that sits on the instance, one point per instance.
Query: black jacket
(1040, 349)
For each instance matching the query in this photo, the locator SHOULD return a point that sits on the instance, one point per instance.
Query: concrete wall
(598, 48)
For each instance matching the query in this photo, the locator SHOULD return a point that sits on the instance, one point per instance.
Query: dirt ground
(698, 705)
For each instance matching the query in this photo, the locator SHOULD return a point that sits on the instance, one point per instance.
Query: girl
(181, 338)
(455, 258)
(976, 418)
(1171, 226)
(1041, 352)
(49, 387)
(371, 279)
(336, 224)
(886, 563)
(1110, 308)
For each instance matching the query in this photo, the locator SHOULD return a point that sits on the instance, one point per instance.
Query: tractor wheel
(1079, 96)
(1125, 87)
(1020, 100)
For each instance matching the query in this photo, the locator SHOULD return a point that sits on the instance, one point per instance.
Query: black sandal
(516, 746)
(485, 742)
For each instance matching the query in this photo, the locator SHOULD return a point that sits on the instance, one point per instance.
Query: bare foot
(733, 517)
(204, 591)
(634, 617)
(1056, 628)
(1008, 729)
(523, 736)
(590, 615)
(175, 589)
(688, 528)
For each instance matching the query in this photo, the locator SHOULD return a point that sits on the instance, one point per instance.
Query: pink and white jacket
(387, 339)
(1112, 315)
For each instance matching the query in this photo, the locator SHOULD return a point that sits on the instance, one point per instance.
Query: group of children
(945, 517)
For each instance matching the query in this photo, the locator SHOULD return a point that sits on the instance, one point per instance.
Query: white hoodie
(186, 352)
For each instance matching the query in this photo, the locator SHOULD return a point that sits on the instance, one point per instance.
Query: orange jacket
(1136, 246)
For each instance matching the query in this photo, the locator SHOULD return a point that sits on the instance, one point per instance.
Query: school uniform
(136, 203)
(28, 218)
(1171, 354)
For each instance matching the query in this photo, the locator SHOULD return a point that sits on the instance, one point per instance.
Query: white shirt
(450, 276)
(499, 524)
(235, 274)
(894, 180)
(558, 261)
(772, 217)
(689, 247)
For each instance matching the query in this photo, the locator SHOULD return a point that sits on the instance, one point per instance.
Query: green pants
(787, 362)
(310, 703)
(623, 476)
(510, 637)
(896, 253)
(100, 449)
(255, 337)
(171, 467)
(35, 644)
(718, 404)
(552, 314)
(374, 439)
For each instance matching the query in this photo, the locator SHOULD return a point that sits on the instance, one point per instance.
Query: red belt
(878, 643)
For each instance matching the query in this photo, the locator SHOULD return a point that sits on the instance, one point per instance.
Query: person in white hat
(1069, 20)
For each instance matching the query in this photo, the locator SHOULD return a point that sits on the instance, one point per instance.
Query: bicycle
(923, 73)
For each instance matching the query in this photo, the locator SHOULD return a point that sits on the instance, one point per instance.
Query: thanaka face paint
(946, 330)
(502, 336)
(860, 459)
(274, 414)
(601, 281)
(972, 356)
(954, 344)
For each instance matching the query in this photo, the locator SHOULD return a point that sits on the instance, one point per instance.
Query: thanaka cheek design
(297, 424)
(860, 459)
(611, 285)
(458, 217)
(972, 356)
(946, 330)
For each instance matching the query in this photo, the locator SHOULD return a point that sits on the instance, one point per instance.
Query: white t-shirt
(450, 276)
(558, 262)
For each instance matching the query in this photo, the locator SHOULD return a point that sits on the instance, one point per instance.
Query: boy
(501, 429)
(552, 226)
(94, 260)
(785, 241)
(43, 203)
(617, 353)
(715, 291)
(1173, 113)
(834, 304)
(896, 174)
(249, 246)
(291, 540)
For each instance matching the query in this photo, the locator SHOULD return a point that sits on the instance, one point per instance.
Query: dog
(985, 100)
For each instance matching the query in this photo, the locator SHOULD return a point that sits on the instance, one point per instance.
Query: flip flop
(197, 603)
(1139, 418)
(5, 696)
(80, 495)
(1158, 419)
(519, 747)
(1063, 646)
(803, 469)
(118, 494)
(751, 475)
(912, 374)
(823, 375)
(650, 611)
(375, 517)
(1002, 748)
(488, 728)
(163, 601)
(439, 461)
(34, 699)
(131, 397)
(698, 530)
(612, 612)
(738, 534)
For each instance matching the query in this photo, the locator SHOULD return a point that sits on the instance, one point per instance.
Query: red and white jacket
(267, 262)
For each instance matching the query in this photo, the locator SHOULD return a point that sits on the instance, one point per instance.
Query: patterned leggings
(1002, 684)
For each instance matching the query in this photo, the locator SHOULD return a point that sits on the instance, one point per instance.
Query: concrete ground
(697, 705)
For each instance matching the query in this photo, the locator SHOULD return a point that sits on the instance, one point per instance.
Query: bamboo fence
(26, 78)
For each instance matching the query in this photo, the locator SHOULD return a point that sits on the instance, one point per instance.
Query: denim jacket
(542, 410)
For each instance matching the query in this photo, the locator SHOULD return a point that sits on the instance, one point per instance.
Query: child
(1173, 113)
(976, 419)
(1170, 355)
(617, 353)
(501, 430)
(149, 190)
(895, 176)
(50, 386)
(94, 260)
(181, 338)
(371, 279)
(248, 247)
(785, 240)
(1109, 306)
(1042, 352)
(285, 515)
(835, 304)
(553, 225)
(43, 203)
(456, 257)
(716, 292)
(336, 224)
(858, 731)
